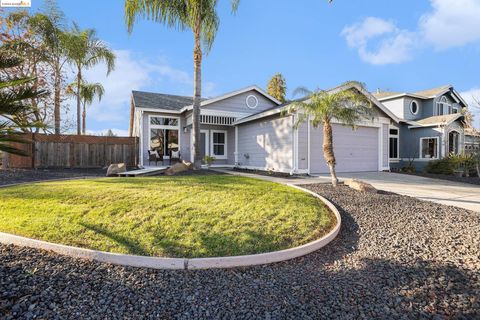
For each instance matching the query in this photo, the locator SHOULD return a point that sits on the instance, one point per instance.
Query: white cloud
(450, 23)
(472, 98)
(394, 44)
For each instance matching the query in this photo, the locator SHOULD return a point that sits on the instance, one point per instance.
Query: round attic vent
(251, 101)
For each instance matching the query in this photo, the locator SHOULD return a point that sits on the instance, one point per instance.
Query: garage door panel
(355, 150)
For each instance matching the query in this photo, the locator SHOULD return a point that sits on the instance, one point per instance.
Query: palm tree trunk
(197, 91)
(56, 99)
(328, 150)
(84, 120)
(79, 80)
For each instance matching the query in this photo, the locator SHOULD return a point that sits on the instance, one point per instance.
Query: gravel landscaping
(395, 258)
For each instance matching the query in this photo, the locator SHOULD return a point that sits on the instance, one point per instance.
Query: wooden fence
(73, 151)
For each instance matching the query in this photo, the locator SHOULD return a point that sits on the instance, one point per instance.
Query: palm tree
(88, 93)
(50, 27)
(85, 50)
(14, 95)
(348, 104)
(201, 17)
(277, 87)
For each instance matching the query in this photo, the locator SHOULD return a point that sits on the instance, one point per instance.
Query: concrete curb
(180, 263)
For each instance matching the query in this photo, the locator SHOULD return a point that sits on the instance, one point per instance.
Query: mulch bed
(395, 257)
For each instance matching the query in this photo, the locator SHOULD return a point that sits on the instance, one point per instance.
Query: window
(414, 107)
(453, 141)
(219, 144)
(443, 107)
(164, 135)
(393, 144)
(429, 148)
(163, 121)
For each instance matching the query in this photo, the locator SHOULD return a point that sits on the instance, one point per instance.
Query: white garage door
(355, 150)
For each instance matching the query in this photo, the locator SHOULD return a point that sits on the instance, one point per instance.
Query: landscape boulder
(360, 185)
(115, 168)
(179, 167)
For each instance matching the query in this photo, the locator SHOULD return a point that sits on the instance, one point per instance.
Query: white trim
(260, 115)
(438, 148)
(141, 138)
(308, 144)
(256, 101)
(401, 95)
(159, 110)
(411, 109)
(225, 149)
(295, 145)
(209, 112)
(380, 148)
(164, 127)
(398, 143)
(236, 145)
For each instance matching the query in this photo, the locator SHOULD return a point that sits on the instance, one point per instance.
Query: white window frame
(458, 141)
(225, 149)
(444, 105)
(437, 156)
(398, 142)
(157, 126)
(411, 104)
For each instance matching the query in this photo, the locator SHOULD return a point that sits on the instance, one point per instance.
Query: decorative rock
(179, 167)
(115, 168)
(360, 185)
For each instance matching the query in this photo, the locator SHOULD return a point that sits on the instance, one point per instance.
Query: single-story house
(249, 128)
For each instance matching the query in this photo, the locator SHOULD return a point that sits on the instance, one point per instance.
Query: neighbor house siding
(268, 143)
(238, 103)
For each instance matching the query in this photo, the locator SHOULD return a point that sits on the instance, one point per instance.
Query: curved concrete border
(181, 263)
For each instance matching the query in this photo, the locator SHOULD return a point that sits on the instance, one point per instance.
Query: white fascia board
(260, 115)
(401, 95)
(159, 110)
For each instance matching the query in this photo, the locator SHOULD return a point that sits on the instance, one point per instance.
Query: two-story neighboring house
(431, 125)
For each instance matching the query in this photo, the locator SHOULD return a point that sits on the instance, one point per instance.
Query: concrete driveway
(445, 192)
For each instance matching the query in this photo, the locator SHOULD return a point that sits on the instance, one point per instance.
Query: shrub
(442, 166)
(208, 160)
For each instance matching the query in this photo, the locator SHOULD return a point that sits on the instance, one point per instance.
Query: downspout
(141, 138)
(236, 146)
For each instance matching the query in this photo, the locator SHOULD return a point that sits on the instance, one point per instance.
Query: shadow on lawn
(132, 246)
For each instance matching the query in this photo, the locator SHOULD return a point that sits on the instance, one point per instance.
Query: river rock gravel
(395, 258)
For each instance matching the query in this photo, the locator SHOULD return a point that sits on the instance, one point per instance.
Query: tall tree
(347, 104)
(85, 50)
(15, 97)
(277, 87)
(201, 17)
(88, 93)
(50, 27)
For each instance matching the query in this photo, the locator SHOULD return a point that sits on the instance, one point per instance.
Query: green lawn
(184, 216)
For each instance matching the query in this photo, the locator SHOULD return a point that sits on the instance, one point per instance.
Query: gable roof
(350, 85)
(150, 100)
(431, 93)
(385, 94)
(436, 120)
(178, 104)
(234, 93)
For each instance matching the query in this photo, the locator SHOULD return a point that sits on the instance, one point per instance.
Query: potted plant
(208, 161)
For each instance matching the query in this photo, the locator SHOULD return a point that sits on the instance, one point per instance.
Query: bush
(442, 166)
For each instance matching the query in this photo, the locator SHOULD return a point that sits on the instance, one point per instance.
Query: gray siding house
(430, 125)
(250, 129)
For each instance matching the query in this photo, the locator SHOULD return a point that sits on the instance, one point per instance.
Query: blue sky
(403, 46)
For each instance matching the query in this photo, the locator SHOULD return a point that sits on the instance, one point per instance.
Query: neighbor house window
(453, 142)
(429, 148)
(219, 144)
(164, 135)
(414, 107)
(393, 144)
(443, 107)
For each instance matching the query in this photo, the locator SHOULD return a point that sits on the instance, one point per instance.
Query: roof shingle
(160, 101)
